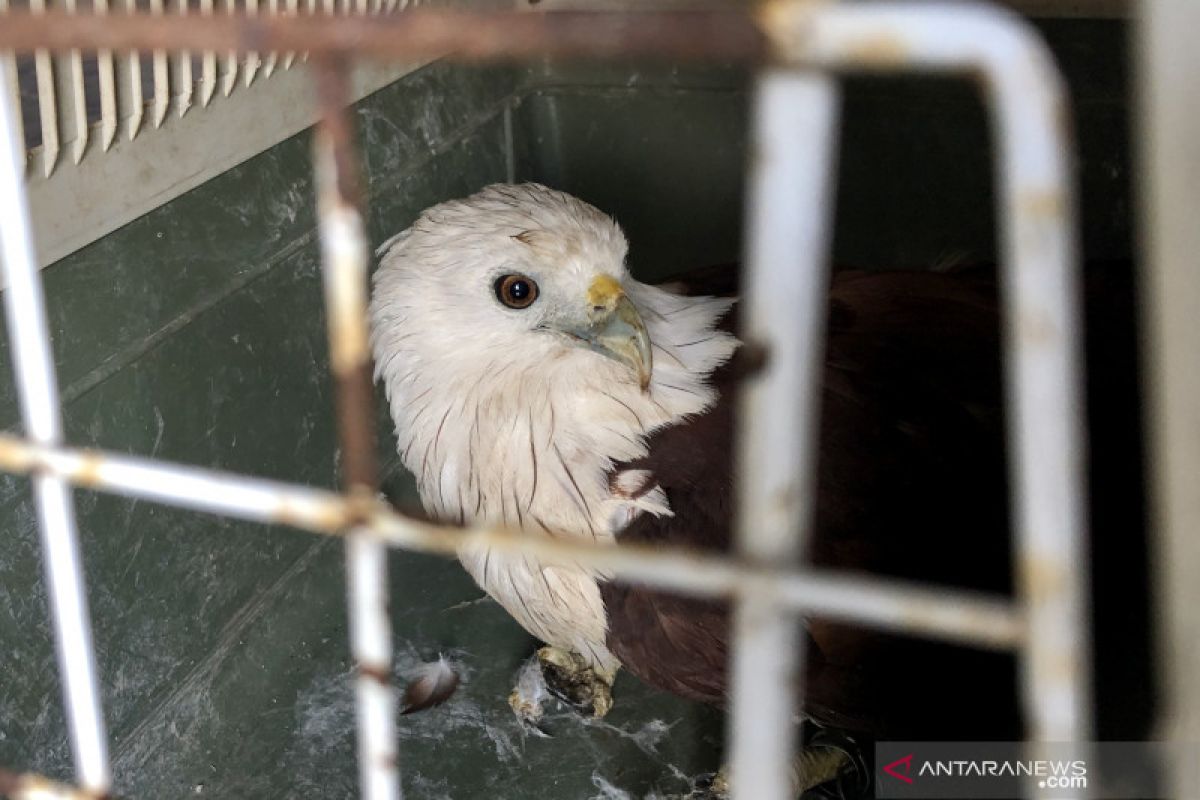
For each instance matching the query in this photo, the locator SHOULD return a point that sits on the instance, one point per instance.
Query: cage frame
(800, 45)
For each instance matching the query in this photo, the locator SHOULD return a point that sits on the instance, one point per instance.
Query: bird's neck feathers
(529, 439)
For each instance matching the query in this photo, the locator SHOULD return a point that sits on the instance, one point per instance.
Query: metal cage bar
(345, 268)
(1036, 211)
(37, 390)
(965, 617)
(788, 219)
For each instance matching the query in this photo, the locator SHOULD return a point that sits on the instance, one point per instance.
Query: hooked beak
(615, 328)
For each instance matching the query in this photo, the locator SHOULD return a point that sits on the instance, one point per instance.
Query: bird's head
(512, 275)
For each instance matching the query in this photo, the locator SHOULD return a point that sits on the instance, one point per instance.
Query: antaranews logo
(972, 770)
(905, 764)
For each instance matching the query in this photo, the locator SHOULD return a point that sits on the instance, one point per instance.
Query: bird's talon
(571, 678)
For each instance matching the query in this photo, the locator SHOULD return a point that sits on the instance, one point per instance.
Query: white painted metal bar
(253, 60)
(292, 9)
(106, 72)
(37, 390)
(1043, 374)
(13, 90)
(272, 58)
(185, 84)
(78, 97)
(47, 100)
(345, 258)
(131, 84)
(229, 76)
(162, 78)
(1170, 125)
(789, 217)
(208, 63)
(980, 620)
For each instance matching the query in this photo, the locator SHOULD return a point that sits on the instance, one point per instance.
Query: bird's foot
(830, 767)
(572, 679)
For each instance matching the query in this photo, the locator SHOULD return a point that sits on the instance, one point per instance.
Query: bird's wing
(911, 484)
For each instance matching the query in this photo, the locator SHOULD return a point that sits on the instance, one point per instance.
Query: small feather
(430, 685)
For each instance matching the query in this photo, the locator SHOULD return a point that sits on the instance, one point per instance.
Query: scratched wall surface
(195, 334)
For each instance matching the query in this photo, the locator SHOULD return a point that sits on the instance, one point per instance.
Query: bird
(521, 362)
(534, 383)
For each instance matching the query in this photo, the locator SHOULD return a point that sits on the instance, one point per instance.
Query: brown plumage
(911, 484)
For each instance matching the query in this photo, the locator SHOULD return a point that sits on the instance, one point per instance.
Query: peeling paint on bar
(789, 218)
(27, 786)
(344, 258)
(965, 617)
(1026, 97)
(41, 417)
(415, 34)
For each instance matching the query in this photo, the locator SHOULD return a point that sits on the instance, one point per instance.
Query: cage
(181, 260)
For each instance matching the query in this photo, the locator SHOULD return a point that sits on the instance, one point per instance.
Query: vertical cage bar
(253, 59)
(208, 63)
(345, 259)
(37, 389)
(106, 72)
(788, 220)
(292, 9)
(162, 77)
(131, 85)
(47, 99)
(13, 90)
(184, 83)
(1043, 376)
(1044, 383)
(272, 57)
(1170, 121)
(78, 96)
(229, 76)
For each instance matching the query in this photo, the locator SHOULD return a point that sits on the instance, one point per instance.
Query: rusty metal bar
(27, 786)
(41, 417)
(420, 33)
(788, 222)
(965, 617)
(345, 267)
(1036, 211)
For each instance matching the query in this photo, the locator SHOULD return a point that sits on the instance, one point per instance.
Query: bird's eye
(516, 291)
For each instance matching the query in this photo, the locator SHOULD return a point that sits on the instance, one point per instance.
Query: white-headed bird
(522, 364)
(535, 384)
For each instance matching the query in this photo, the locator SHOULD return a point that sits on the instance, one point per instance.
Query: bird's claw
(573, 680)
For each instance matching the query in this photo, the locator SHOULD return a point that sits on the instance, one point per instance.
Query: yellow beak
(615, 328)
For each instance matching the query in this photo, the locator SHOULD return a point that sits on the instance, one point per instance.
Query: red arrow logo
(906, 762)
